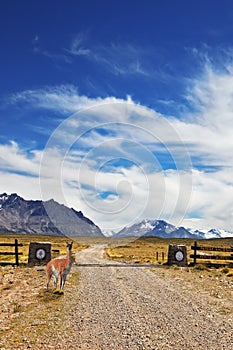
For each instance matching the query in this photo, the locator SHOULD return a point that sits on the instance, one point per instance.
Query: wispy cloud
(117, 58)
(77, 47)
(122, 59)
(208, 128)
(56, 57)
(63, 99)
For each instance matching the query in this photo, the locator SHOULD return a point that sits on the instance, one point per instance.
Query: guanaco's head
(69, 245)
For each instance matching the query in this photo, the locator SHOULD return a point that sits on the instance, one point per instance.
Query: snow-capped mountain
(213, 233)
(161, 228)
(18, 215)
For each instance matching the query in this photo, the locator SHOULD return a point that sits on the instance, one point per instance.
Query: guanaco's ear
(69, 245)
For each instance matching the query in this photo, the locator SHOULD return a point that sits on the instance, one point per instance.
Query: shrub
(201, 267)
(225, 270)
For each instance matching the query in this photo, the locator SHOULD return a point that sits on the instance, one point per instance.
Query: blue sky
(121, 109)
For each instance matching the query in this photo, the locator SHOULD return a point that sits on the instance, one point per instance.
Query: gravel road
(133, 308)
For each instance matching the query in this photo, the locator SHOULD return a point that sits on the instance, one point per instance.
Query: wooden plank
(16, 253)
(213, 249)
(215, 264)
(6, 263)
(10, 253)
(211, 257)
(10, 244)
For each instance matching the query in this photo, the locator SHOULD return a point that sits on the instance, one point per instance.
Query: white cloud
(212, 97)
(19, 171)
(26, 186)
(207, 129)
(15, 159)
(125, 134)
(212, 199)
(120, 162)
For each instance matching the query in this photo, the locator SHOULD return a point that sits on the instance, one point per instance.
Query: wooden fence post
(195, 253)
(16, 253)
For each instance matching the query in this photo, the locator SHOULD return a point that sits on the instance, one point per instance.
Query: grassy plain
(144, 249)
(132, 250)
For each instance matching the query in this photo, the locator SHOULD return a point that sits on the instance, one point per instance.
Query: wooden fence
(162, 256)
(207, 256)
(16, 252)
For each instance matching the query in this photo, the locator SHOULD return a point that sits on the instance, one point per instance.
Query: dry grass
(144, 249)
(29, 315)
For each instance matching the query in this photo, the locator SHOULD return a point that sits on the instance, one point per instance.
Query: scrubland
(117, 307)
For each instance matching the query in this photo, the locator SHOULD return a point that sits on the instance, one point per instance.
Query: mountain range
(161, 228)
(18, 215)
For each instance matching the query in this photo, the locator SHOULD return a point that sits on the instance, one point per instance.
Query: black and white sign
(40, 253)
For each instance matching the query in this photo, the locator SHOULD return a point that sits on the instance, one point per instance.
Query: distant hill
(43, 217)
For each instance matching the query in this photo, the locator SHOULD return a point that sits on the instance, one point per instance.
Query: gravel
(133, 308)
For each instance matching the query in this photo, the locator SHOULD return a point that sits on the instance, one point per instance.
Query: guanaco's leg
(49, 275)
(55, 276)
(63, 280)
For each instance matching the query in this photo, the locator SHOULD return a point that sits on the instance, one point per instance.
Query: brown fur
(59, 268)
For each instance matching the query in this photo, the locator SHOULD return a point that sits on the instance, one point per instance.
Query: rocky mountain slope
(43, 217)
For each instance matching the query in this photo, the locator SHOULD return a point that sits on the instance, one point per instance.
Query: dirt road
(133, 308)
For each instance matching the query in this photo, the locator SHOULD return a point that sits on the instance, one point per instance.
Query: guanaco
(59, 267)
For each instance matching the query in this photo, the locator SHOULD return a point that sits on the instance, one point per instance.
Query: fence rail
(204, 256)
(16, 252)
